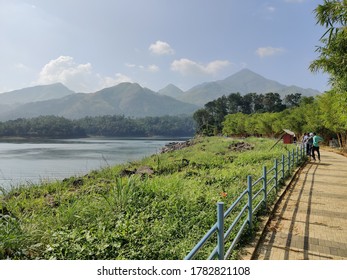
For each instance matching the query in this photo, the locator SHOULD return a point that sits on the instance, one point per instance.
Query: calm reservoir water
(31, 162)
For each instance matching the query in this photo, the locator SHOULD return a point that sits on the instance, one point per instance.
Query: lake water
(24, 162)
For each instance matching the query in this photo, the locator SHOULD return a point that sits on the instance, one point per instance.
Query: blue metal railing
(263, 186)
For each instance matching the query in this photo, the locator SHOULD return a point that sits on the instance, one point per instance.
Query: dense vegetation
(322, 114)
(149, 126)
(332, 105)
(110, 126)
(332, 15)
(44, 126)
(113, 213)
(210, 119)
(307, 117)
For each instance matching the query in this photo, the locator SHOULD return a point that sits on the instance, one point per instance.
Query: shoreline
(158, 137)
(58, 159)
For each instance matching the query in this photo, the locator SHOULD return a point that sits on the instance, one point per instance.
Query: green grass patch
(113, 214)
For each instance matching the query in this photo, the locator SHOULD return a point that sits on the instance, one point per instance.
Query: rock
(50, 200)
(142, 170)
(173, 146)
(78, 182)
(127, 172)
(145, 170)
(240, 147)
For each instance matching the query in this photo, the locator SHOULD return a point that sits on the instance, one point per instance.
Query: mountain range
(34, 94)
(128, 99)
(132, 100)
(244, 81)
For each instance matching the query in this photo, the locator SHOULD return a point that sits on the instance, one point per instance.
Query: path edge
(248, 251)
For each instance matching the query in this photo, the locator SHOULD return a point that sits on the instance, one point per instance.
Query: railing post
(220, 225)
(283, 166)
(297, 156)
(293, 162)
(305, 151)
(289, 156)
(301, 151)
(276, 174)
(265, 186)
(250, 210)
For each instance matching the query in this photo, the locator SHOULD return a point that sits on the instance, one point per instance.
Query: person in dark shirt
(315, 146)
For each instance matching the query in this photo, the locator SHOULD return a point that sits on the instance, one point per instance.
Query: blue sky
(89, 45)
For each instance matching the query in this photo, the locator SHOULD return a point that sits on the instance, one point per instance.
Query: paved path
(310, 222)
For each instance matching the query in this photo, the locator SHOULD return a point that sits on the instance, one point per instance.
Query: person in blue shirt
(315, 146)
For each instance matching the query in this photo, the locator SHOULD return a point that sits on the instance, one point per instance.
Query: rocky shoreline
(173, 146)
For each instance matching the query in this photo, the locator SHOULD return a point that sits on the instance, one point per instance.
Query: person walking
(315, 146)
(309, 144)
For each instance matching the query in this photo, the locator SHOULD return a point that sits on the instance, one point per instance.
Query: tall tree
(292, 100)
(204, 122)
(272, 102)
(234, 101)
(332, 14)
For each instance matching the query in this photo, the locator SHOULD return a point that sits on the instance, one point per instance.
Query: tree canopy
(109, 126)
(332, 15)
(332, 59)
(209, 120)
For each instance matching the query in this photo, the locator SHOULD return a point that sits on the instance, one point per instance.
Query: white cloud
(64, 69)
(78, 77)
(153, 68)
(161, 48)
(130, 65)
(189, 67)
(150, 68)
(268, 51)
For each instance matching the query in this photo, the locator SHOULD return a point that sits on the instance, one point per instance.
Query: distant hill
(244, 81)
(34, 94)
(128, 99)
(132, 100)
(172, 91)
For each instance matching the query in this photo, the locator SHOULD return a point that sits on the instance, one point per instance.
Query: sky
(90, 45)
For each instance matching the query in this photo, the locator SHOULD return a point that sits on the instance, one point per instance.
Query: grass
(108, 215)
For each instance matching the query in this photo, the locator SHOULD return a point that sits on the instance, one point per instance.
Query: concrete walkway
(310, 222)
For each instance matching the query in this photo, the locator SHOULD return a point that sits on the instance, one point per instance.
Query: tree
(266, 123)
(247, 104)
(234, 101)
(272, 102)
(333, 118)
(209, 120)
(332, 14)
(258, 103)
(333, 54)
(234, 124)
(204, 122)
(306, 100)
(292, 100)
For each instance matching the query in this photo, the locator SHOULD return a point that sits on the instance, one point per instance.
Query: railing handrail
(286, 165)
